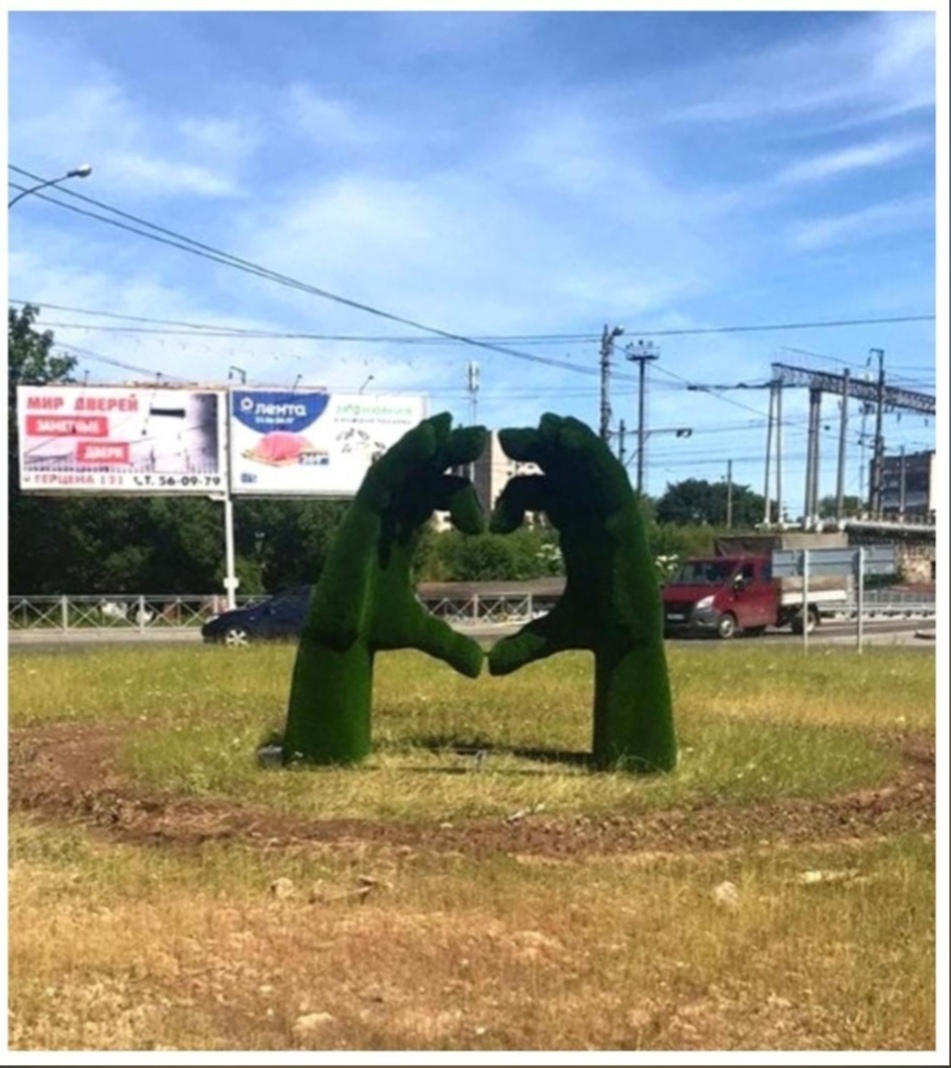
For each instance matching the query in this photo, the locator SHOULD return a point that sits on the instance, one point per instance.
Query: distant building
(489, 474)
(493, 469)
(908, 485)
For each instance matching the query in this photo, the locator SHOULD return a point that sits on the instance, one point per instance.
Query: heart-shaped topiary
(365, 601)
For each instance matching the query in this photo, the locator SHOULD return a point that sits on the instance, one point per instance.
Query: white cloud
(474, 255)
(161, 177)
(230, 141)
(880, 67)
(514, 207)
(133, 149)
(861, 225)
(855, 157)
(326, 120)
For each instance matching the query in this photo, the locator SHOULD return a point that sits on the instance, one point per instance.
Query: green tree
(39, 529)
(185, 539)
(700, 502)
(81, 544)
(286, 541)
(527, 553)
(30, 357)
(851, 506)
(670, 539)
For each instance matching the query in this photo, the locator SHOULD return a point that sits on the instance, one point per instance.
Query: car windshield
(295, 595)
(703, 573)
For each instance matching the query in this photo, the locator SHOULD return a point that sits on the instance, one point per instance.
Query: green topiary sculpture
(365, 599)
(611, 604)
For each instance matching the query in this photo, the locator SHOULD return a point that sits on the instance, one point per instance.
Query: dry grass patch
(377, 938)
(753, 723)
(230, 948)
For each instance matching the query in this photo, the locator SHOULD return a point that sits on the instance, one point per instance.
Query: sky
(526, 179)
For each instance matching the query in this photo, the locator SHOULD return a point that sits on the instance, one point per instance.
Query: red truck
(720, 595)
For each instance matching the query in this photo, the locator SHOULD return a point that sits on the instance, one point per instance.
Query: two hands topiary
(365, 600)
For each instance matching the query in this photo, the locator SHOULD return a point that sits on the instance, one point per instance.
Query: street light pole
(607, 348)
(82, 171)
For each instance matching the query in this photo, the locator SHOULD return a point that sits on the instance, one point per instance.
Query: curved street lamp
(82, 171)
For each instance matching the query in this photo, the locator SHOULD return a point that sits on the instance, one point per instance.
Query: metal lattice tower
(844, 386)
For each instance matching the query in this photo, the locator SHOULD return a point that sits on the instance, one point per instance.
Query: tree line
(111, 545)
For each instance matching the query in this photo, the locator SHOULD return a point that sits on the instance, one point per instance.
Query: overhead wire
(198, 248)
(190, 245)
(524, 339)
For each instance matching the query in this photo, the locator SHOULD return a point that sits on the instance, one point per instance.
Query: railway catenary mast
(873, 392)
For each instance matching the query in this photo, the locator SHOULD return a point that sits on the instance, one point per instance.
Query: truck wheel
(726, 626)
(812, 621)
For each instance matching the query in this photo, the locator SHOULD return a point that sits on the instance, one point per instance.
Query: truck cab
(719, 595)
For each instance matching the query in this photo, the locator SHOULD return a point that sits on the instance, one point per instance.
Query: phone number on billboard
(59, 480)
(175, 481)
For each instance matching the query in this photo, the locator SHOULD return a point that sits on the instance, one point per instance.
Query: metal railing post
(805, 600)
(860, 594)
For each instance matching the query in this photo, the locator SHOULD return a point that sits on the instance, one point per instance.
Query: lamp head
(82, 171)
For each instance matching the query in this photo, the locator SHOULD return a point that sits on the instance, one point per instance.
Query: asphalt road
(919, 633)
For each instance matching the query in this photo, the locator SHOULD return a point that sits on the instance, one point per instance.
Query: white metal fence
(189, 611)
(119, 612)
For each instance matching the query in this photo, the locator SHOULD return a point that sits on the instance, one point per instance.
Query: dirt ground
(286, 973)
(69, 773)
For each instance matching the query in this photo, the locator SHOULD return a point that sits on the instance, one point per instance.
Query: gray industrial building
(908, 486)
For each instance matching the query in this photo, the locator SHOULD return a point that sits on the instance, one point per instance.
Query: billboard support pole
(231, 581)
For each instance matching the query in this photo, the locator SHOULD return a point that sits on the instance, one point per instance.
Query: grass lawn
(775, 892)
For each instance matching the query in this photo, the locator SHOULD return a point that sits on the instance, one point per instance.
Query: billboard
(285, 443)
(104, 439)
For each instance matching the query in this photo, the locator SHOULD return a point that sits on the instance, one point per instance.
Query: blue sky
(508, 174)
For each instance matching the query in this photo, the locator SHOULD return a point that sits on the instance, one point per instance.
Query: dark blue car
(280, 616)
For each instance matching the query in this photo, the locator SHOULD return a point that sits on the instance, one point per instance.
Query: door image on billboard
(131, 440)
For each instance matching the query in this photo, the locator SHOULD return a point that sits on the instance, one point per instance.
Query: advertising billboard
(285, 443)
(113, 439)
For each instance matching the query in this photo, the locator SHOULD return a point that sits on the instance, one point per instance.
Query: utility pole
(641, 353)
(875, 490)
(902, 487)
(769, 444)
(811, 502)
(607, 349)
(622, 431)
(843, 426)
(779, 454)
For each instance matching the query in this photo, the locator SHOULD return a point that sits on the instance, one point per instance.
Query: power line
(88, 354)
(713, 393)
(198, 248)
(522, 339)
(187, 244)
(207, 330)
(823, 324)
(852, 363)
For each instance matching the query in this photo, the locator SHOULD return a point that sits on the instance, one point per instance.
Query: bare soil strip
(65, 772)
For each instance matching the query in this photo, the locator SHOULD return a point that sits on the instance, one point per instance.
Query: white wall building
(489, 474)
